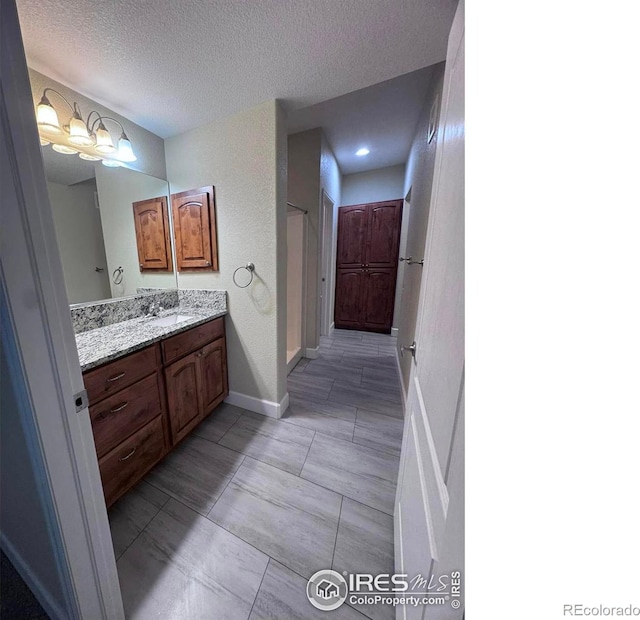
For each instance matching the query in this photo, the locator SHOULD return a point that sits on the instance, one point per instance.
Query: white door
(429, 511)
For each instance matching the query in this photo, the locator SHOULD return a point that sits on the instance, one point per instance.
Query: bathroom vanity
(150, 380)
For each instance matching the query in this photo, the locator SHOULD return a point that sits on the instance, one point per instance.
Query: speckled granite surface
(103, 344)
(93, 315)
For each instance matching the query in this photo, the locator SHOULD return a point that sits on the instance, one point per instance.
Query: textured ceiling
(172, 65)
(381, 118)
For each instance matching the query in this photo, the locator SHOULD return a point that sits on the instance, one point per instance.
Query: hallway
(247, 508)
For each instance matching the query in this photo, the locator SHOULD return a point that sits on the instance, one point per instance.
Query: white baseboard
(394, 332)
(312, 354)
(259, 405)
(294, 360)
(33, 582)
(403, 390)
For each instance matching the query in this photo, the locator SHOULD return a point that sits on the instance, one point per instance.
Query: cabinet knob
(207, 263)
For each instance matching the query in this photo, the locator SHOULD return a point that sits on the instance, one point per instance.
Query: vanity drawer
(121, 468)
(115, 418)
(192, 339)
(112, 377)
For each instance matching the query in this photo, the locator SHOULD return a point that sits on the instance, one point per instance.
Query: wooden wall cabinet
(194, 227)
(135, 421)
(151, 220)
(367, 264)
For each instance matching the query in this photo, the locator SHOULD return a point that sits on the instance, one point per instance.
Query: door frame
(46, 354)
(291, 364)
(327, 216)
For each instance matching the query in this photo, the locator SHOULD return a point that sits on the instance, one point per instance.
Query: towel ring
(250, 267)
(117, 275)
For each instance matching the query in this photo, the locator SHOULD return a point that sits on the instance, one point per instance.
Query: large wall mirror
(93, 212)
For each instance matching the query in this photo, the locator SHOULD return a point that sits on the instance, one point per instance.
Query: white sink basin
(172, 319)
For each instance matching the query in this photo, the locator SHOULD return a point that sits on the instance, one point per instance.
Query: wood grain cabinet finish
(194, 225)
(198, 382)
(183, 395)
(114, 376)
(151, 221)
(121, 468)
(117, 417)
(144, 403)
(367, 263)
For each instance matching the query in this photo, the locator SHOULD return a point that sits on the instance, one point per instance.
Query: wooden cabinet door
(213, 375)
(352, 236)
(152, 234)
(183, 395)
(383, 234)
(349, 298)
(194, 224)
(379, 287)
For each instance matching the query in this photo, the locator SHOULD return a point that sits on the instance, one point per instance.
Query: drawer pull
(124, 458)
(116, 377)
(120, 407)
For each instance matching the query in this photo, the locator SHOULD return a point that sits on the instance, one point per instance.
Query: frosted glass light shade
(89, 157)
(78, 133)
(66, 150)
(125, 152)
(48, 118)
(104, 144)
(111, 163)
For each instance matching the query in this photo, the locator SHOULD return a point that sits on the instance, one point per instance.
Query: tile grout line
(223, 528)
(335, 542)
(244, 458)
(142, 530)
(307, 455)
(229, 430)
(255, 598)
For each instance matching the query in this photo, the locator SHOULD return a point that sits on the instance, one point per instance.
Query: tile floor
(235, 520)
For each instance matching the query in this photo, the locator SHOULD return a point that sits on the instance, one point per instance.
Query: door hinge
(81, 400)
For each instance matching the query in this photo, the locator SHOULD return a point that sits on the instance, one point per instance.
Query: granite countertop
(103, 344)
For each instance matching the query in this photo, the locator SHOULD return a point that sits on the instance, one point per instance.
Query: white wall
(373, 185)
(313, 169)
(244, 158)
(79, 233)
(331, 184)
(303, 190)
(418, 180)
(118, 189)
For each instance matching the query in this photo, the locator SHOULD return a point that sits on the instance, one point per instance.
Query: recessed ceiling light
(362, 152)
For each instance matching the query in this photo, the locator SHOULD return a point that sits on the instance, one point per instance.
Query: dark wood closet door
(352, 236)
(379, 292)
(367, 262)
(383, 234)
(349, 290)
